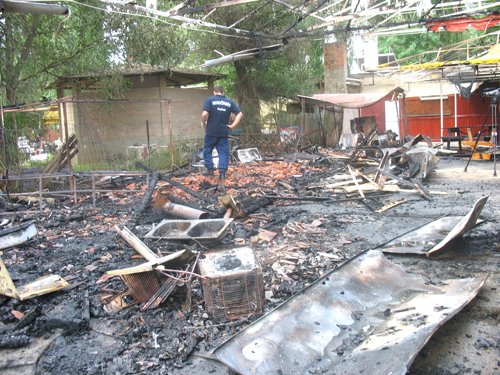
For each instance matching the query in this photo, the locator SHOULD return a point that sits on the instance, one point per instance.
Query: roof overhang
(175, 77)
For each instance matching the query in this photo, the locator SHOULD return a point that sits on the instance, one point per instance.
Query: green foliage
(408, 45)
(37, 164)
(38, 49)
(29, 124)
(413, 47)
(295, 70)
(146, 39)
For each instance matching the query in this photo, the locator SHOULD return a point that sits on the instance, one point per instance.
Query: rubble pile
(134, 299)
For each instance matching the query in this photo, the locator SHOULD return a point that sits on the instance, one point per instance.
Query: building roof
(174, 76)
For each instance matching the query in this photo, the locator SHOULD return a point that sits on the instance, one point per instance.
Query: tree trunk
(248, 99)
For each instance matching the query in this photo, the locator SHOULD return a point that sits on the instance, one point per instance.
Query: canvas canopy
(350, 100)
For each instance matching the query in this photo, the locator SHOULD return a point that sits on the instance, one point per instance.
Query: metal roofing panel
(437, 234)
(370, 315)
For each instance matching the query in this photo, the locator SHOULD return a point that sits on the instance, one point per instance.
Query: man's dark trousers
(222, 147)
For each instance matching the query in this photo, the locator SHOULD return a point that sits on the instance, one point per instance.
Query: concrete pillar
(335, 67)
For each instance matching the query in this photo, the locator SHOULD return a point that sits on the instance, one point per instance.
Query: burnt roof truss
(309, 18)
(315, 17)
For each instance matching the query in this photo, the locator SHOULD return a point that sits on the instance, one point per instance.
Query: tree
(146, 39)
(36, 49)
(294, 69)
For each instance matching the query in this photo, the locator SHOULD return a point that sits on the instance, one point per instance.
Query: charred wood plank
(252, 205)
(384, 165)
(190, 191)
(351, 171)
(147, 196)
(364, 143)
(412, 184)
(136, 243)
(399, 180)
(14, 341)
(389, 206)
(68, 151)
(423, 191)
(29, 317)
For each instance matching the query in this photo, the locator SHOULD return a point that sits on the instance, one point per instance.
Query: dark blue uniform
(219, 110)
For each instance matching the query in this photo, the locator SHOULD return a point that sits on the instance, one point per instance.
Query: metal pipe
(2, 128)
(229, 58)
(228, 213)
(9, 6)
(184, 212)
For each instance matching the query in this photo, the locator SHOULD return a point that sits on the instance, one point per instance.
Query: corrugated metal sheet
(436, 235)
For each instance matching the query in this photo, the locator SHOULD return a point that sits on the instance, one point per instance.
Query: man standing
(215, 120)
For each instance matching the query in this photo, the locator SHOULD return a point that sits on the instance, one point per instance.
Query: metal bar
(249, 14)
(75, 199)
(93, 190)
(479, 136)
(170, 137)
(72, 191)
(40, 194)
(116, 101)
(204, 8)
(298, 198)
(9, 6)
(300, 9)
(56, 175)
(147, 137)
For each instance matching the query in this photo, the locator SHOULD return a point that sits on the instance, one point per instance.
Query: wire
(182, 26)
(301, 18)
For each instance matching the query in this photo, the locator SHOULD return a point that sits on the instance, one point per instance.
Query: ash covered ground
(71, 332)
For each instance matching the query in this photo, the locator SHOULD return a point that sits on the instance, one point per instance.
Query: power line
(148, 16)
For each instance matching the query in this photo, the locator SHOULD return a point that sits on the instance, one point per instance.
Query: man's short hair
(219, 89)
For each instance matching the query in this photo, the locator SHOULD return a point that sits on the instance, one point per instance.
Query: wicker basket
(233, 285)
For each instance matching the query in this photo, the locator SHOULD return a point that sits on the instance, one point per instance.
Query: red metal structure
(433, 116)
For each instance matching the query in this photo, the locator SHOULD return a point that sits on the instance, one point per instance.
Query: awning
(351, 100)
(459, 25)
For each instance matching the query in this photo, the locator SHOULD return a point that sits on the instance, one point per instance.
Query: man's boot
(222, 175)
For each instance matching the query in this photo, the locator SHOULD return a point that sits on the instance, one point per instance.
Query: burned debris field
(302, 263)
